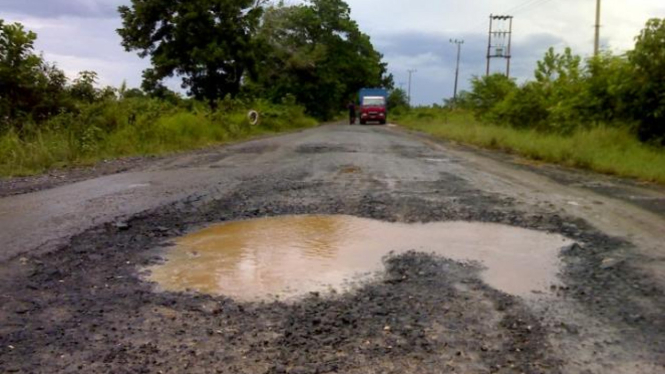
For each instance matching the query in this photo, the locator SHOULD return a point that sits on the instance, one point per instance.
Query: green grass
(610, 150)
(133, 128)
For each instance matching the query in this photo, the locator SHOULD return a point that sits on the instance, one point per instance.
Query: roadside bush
(523, 107)
(487, 93)
(47, 121)
(609, 86)
(568, 94)
(138, 126)
(607, 149)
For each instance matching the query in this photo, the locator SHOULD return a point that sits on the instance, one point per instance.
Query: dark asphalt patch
(84, 308)
(324, 148)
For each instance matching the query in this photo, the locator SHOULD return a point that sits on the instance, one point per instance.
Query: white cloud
(76, 44)
(111, 73)
(57, 8)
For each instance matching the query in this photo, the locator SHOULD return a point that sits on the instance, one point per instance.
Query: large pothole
(290, 256)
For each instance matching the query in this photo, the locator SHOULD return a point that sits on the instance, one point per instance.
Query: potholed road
(73, 297)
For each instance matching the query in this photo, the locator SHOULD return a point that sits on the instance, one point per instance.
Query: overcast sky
(412, 34)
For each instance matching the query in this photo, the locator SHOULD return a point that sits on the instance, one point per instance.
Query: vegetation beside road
(605, 114)
(138, 126)
(295, 62)
(48, 121)
(567, 94)
(610, 150)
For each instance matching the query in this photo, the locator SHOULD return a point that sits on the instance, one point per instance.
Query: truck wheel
(383, 122)
(362, 122)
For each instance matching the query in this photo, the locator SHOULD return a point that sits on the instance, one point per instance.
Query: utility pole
(596, 46)
(499, 43)
(459, 51)
(411, 71)
(489, 46)
(509, 55)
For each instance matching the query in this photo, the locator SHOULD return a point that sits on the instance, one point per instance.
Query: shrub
(138, 126)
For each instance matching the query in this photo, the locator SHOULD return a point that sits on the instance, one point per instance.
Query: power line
(533, 6)
(525, 4)
(519, 8)
(503, 49)
(483, 23)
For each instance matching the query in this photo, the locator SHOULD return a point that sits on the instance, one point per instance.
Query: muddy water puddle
(290, 256)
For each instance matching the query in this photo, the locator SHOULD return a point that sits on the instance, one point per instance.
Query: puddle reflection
(292, 255)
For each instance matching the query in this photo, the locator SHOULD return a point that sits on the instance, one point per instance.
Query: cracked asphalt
(74, 299)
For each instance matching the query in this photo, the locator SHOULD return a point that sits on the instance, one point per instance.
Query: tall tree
(316, 52)
(18, 68)
(29, 87)
(488, 91)
(648, 61)
(206, 42)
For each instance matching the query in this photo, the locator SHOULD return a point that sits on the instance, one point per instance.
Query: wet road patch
(291, 256)
(350, 169)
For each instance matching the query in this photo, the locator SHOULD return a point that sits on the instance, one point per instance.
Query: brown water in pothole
(292, 255)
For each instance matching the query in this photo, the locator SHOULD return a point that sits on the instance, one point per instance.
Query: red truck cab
(373, 108)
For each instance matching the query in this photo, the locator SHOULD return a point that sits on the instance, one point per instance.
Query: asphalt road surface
(73, 296)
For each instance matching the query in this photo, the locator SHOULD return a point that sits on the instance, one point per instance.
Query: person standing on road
(352, 113)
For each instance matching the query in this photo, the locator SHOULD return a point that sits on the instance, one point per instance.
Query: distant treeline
(568, 94)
